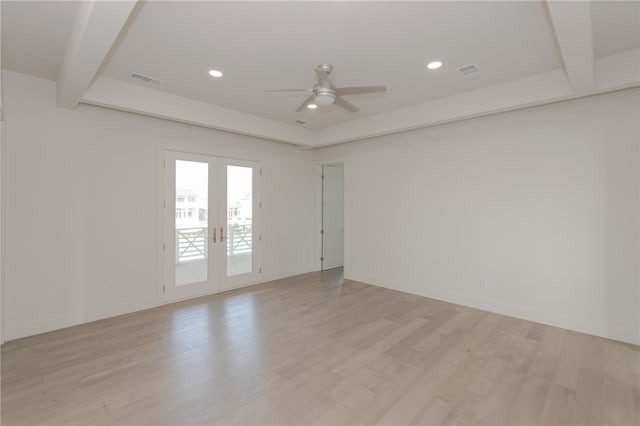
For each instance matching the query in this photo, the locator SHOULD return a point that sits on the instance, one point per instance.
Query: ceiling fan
(325, 93)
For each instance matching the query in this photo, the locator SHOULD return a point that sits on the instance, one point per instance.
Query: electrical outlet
(483, 283)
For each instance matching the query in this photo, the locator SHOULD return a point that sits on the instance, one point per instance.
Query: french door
(211, 237)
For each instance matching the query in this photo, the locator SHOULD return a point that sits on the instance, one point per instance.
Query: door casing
(217, 206)
(332, 216)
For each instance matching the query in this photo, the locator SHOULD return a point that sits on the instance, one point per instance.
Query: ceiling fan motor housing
(325, 67)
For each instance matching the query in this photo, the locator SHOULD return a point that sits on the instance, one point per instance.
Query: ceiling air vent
(468, 70)
(145, 78)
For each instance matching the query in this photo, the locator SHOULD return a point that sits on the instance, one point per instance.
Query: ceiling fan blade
(346, 105)
(359, 90)
(288, 90)
(305, 103)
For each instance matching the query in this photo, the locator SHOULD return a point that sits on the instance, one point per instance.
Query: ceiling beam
(615, 72)
(619, 71)
(571, 21)
(538, 89)
(110, 93)
(96, 28)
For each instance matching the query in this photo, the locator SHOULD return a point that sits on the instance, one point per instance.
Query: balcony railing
(239, 238)
(191, 243)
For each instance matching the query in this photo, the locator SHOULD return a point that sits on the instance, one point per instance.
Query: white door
(241, 223)
(332, 216)
(211, 224)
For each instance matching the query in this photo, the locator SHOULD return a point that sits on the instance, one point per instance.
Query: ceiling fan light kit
(325, 93)
(324, 98)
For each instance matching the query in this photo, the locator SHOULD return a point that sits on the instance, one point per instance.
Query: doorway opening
(332, 217)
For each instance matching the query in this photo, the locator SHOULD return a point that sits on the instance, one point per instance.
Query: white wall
(541, 203)
(81, 198)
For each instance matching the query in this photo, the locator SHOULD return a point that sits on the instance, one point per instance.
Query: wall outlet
(483, 283)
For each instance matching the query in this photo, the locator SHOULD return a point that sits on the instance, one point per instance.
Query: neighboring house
(191, 209)
(240, 211)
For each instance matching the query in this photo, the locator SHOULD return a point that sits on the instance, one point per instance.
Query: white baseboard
(30, 328)
(290, 273)
(24, 329)
(57, 322)
(549, 318)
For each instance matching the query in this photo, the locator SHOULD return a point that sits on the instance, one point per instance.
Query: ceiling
(517, 46)
(268, 45)
(35, 36)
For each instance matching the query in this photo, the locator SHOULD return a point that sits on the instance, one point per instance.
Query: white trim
(570, 322)
(110, 93)
(220, 281)
(317, 228)
(93, 34)
(317, 219)
(279, 276)
(70, 319)
(160, 194)
(610, 73)
(3, 168)
(571, 21)
(229, 282)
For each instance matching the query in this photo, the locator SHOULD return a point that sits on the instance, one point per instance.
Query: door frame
(211, 285)
(317, 264)
(162, 279)
(231, 282)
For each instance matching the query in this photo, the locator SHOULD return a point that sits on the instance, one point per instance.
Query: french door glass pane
(239, 220)
(192, 221)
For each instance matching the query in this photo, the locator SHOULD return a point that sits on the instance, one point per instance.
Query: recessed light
(312, 106)
(434, 65)
(215, 73)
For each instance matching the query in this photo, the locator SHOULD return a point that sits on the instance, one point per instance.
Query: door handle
(221, 234)
(214, 235)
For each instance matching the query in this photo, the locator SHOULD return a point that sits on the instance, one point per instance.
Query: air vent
(145, 78)
(300, 122)
(468, 70)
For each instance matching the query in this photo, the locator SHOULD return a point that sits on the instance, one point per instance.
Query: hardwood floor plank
(590, 409)
(568, 368)
(529, 404)
(316, 349)
(434, 414)
(497, 406)
(416, 398)
(559, 407)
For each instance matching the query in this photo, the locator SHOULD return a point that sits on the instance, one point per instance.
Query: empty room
(320, 213)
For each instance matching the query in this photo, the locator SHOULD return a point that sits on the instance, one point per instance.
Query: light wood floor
(314, 350)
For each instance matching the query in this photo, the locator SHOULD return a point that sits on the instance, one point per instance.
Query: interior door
(332, 216)
(211, 224)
